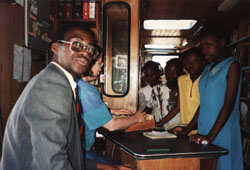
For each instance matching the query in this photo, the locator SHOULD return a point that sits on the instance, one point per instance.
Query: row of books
(242, 54)
(234, 37)
(84, 9)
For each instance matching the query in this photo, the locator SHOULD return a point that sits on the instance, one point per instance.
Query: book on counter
(159, 135)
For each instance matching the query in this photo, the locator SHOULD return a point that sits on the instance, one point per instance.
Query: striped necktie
(79, 113)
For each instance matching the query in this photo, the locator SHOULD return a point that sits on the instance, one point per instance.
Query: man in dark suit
(42, 131)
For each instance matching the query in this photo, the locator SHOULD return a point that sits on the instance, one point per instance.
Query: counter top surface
(142, 147)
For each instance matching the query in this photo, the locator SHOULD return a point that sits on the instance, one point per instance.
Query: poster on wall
(37, 24)
(21, 64)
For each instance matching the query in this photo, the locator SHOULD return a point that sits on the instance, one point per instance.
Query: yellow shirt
(189, 98)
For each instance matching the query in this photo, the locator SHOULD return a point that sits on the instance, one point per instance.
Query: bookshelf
(240, 45)
(243, 39)
(245, 114)
(65, 12)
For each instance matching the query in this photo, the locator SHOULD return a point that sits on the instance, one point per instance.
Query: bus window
(116, 48)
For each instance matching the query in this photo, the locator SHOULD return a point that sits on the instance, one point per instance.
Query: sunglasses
(78, 47)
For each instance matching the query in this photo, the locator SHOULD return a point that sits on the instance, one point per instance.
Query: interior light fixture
(160, 46)
(159, 51)
(168, 24)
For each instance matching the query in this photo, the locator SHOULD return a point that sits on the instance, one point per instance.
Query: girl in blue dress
(219, 117)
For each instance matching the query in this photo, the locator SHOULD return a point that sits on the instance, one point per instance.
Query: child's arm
(171, 114)
(192, 125)
(142, 102)
(233, 78)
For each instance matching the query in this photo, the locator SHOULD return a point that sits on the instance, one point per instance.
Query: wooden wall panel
(11, 32)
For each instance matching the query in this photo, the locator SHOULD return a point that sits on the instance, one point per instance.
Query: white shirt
(69, 77)
(157, 99)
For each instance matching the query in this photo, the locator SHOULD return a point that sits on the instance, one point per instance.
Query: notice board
(37, 24)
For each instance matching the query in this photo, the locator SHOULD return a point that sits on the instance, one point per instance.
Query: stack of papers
(159, 135)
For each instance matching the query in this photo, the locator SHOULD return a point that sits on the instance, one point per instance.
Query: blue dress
(212, 88)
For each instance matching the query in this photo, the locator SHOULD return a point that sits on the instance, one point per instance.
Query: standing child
(173, 70)
(189, 98)
(151, 97)
(157, 97)
(147, 97)
(219, 86)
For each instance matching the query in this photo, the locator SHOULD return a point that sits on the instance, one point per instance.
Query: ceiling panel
(201, 10)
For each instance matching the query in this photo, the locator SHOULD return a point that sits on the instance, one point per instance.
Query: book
(91, 9)
(85, 9)
(148, 117)
(159, 135)
(77, 10)
(248, 29)
(60, 9)
(148, 124)
(68, 9)
(234, 36)
(171, 127)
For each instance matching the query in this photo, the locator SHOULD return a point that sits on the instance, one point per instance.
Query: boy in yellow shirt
(189, 98)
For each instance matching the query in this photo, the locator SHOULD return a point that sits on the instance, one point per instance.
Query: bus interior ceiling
(225, 11)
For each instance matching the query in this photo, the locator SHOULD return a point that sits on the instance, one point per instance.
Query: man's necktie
(79, 113)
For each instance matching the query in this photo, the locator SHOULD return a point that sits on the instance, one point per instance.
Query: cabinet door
(121, 53)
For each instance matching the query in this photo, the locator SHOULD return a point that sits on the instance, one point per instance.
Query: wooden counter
(182, 155)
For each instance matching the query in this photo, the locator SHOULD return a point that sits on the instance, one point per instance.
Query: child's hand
(120, 112)
(158, 124)
(180, 131)
(177, 130)
(199, 139)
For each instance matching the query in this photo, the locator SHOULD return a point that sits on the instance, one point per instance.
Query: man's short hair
(65, 28)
